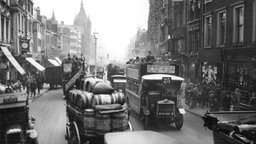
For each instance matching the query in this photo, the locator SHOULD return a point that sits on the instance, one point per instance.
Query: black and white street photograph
(127, 71)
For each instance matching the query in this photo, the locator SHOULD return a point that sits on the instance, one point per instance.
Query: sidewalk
(222, 117)
(42, 91)
(196, 111)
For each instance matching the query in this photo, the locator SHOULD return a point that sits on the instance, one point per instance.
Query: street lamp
(95, 69)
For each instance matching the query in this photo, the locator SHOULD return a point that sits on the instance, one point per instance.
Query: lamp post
(95, 69)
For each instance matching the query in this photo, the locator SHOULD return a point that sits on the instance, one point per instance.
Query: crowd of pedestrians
(212, 96)
(33, 83)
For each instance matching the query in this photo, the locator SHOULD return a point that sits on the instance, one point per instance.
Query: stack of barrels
(96, 122)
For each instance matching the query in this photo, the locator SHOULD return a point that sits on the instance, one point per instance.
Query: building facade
(227, 53)
(5, 40)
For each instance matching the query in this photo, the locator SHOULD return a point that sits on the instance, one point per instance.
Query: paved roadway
(50, 114)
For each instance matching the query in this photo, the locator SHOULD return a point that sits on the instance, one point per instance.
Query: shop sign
(24, 43)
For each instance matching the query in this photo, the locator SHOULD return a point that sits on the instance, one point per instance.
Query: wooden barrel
(102, 123)
(84, 100)
(90, 83)
(87, 84)
(89, 119)
(102, 99)
(72, 96)
(119, 121)
(119, 97)
(78, 94)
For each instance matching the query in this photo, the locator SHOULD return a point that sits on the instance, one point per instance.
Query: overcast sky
(116, 21)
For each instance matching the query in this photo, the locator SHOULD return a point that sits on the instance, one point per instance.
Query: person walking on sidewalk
(33, 88)
(227, 101)
(236, 99)
(28, 84)
(38, 83)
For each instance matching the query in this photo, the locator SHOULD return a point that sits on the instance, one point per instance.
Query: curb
(194, 113)
(40, 95)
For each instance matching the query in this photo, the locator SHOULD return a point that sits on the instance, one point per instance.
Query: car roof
(122, 76)
(160, 77)
(138, 137)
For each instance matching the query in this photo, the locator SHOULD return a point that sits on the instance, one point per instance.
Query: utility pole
(95, 69)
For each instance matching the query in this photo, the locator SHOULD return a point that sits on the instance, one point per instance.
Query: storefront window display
(242, 75)
(211, 73)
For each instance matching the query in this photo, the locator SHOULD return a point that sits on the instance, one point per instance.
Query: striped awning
(53, 62)
(58, 60)
(13, 60)
(35, 64)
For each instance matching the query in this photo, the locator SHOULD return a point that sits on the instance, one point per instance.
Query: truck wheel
(74, 134)
(179, 122)
(145, 122)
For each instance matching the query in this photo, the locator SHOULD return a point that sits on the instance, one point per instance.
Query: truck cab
(14, 118)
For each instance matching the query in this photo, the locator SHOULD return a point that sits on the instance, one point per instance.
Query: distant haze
(116, 21)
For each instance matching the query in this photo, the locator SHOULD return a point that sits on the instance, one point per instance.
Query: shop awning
(58, 60)
(35, 64)
(53, 62)
(13, 60)
(209, 55)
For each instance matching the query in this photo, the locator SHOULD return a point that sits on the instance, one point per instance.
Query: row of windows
(238, 26)
(133, 86)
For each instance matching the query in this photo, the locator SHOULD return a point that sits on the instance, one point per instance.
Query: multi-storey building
(228, 51)
(193, 39)
(5, 40)
(39, 35)
(177, 32)
(82, 23)
(154, 26)
(71, 42)
(52, 38)
(140, 48)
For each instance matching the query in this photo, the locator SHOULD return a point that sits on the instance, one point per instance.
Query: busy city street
(128, 72)
(50, 114)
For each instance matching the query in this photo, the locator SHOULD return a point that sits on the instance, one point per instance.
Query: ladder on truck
(68, 84)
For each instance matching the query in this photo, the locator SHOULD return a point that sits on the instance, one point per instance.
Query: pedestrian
(149, 57)
(236, 99)
(38, 83)
(33, 87)
(28, 84)
(222, 95)
(227, 101)
(183, 88)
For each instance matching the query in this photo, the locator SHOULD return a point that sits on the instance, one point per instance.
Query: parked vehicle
(53, 76)
(153, 90)
(15, 122)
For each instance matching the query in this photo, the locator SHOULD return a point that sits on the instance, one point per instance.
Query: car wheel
(179, 122)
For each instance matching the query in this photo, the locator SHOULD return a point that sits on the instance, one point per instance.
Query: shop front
(190, 68)
(211, 66)
(7, 63)
(241, 73)
(36, 66)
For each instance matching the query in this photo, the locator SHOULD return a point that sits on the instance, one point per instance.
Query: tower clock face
(24, 45)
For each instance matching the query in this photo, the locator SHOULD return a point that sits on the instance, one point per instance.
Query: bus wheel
(179, 122)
